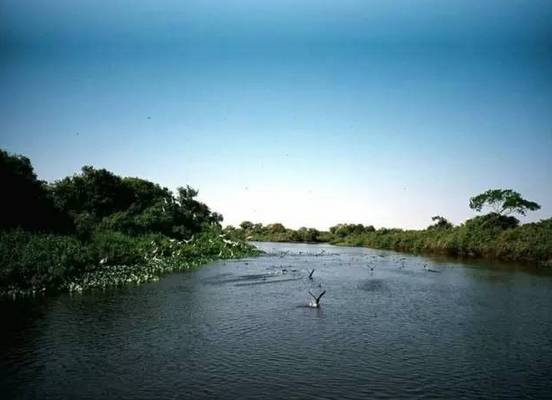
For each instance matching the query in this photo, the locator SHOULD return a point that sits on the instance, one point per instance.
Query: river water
(387, 327)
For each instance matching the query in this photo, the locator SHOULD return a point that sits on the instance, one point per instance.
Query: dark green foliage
(117, 230)
(275, 233)
(40, 261)
(96, 192)
(25, 202)
(276, 228)
(36, 263)
(492, 221)
(494, 235)
(246, 225)
(342, 230)
(440, 223)
(145, 194)
(503, 201)
(99, 199)
(115, 248)
(491, 236)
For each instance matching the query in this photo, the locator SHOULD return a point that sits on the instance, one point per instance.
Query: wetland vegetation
(96, 229)
(495, 235)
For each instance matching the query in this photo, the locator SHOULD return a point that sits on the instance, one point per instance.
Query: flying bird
(317, 299)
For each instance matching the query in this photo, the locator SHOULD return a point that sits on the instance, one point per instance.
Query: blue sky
(303, 112)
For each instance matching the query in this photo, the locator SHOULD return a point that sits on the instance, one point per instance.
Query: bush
(31, 263)
(36, 262)
(492, 221)
(491, 236)
(115, 248)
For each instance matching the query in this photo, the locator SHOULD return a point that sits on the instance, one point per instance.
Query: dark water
(243, 329)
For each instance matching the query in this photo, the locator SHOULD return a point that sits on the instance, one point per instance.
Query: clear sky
(305, 112)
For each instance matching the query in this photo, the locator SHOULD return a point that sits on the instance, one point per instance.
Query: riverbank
(488, 237)
(529, 243)
(34, 264)
(96, 229)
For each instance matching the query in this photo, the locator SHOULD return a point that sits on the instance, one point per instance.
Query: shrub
(39, 261)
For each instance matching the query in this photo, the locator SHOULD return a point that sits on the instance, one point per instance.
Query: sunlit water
(244, 329)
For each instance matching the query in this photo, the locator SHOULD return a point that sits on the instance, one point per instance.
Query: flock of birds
(316, 302)
(371, 265)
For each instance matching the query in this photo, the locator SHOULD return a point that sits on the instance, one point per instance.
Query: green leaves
(25, 200)
(503, 201)
(97, 199)
(440, 223)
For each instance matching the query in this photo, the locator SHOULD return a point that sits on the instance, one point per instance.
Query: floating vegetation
(157, 257)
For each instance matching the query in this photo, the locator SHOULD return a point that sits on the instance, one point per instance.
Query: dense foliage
(130, 205)
(96, 229)
(494, 235)
(503, 202)
(479, 237)
(275, 233)
(440, 223)
(26, 201)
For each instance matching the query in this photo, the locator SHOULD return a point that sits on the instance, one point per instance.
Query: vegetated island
(96, 230)
(495, 235)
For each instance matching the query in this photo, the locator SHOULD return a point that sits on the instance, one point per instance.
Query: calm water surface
(243, 329)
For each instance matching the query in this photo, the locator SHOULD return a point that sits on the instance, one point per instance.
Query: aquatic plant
(33, 264)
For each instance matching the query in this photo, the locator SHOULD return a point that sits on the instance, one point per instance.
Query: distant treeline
(275, 233)
(495, 235)
(488, 236)
(97, 229)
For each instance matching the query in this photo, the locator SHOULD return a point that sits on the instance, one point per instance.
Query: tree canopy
(97, 199)
(342, 230)
(25, 201)
(503, 202)
(440, 223)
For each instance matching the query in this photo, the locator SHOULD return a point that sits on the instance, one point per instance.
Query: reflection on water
(386, 328)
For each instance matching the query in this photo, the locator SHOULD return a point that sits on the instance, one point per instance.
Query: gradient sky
(308, 113)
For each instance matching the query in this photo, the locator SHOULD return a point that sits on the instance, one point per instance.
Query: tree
(246, 225)
(25, 201)
(503, 202)
(97, 198)
(98, 192)
(343, 230)
(440, 223)
(276, 228)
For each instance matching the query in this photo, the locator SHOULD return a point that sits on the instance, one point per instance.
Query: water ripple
(242, 330)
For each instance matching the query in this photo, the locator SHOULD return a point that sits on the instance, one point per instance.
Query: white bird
(430, 270)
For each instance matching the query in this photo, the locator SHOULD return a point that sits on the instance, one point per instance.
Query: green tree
(440, 223)
(503, 202)
(25, 201)
(97, 198)
(343, 230)
(246, 225)
(97, 192)
(276, 228)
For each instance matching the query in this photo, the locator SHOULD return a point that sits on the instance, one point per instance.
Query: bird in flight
(317, 299)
